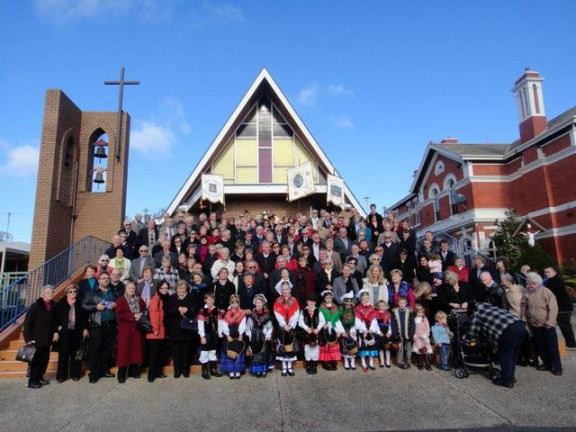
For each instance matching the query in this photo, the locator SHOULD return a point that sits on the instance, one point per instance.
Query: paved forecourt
(386, 399)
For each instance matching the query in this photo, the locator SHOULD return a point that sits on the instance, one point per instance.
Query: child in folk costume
(287, 312)
(383, 344)
(402, 330)
(208, 318)
(366, 318)
(259, 330)
(348, 342)
(311, 321)
(233, 327)
(422, 346)
(329, 348)
(442, 334)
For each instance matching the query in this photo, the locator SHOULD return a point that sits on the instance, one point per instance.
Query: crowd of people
(242, 294)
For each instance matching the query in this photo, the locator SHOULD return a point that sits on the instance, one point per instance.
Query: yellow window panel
(224, 165)
(246, 175)
(283, 152)
(280, 175)
(246, 152)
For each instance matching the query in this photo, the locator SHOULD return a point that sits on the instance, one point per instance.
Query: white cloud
(152, 140)
(20, 161)
(156, 136)
(224, 13)
(339, 90)
(175, 116)
(343, 122)
(65, 10)
(308, 95)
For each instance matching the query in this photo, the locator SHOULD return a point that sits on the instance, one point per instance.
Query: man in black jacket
(100, 304)
(565, 307)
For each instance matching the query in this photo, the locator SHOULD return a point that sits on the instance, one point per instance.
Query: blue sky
(374, 81)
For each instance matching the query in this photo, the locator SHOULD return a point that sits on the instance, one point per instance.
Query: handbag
(144, 323)
(189, 324)
(235, 348)
(82, 351)
(26, 353)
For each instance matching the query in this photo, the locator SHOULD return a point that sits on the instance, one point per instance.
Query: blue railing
(19, 295)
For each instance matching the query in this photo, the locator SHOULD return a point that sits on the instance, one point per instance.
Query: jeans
(444, 351)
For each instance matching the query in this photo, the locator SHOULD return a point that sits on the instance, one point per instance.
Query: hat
(311, 297)
(348, 295)
(362, 292)
(260, 297)
(326, 293)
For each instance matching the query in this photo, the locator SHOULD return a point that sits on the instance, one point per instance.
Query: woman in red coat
(129, 308)
(157, 338)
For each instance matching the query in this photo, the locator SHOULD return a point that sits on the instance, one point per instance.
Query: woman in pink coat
(129, 308)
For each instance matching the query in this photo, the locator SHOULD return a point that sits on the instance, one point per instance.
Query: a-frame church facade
(263, 138)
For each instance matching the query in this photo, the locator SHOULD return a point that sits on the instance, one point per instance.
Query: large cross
(121, 83)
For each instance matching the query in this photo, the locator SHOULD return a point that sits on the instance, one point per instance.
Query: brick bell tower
(530, 102)
(82, 176)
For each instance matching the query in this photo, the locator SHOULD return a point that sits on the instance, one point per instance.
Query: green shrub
(537, 258)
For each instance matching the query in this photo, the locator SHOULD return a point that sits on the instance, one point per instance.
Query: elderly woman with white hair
(103, 266)
(542, 312)
(39, 330)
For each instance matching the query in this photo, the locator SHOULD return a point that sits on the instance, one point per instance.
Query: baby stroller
(477, 353)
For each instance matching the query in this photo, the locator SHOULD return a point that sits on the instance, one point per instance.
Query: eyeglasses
(71, 291)
(387, 237)
(105, 260)
(143, 250)
(379, 250)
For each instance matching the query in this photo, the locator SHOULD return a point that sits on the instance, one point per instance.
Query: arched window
(439, 168)
(433, 195)
(96, 176)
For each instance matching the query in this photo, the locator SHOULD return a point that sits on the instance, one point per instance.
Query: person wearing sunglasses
(71, 323)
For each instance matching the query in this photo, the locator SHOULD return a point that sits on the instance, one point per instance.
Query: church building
(263, 139)
(462, 189)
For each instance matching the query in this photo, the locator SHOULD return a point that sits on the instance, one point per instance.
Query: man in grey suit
(360, 259)
(144, 260)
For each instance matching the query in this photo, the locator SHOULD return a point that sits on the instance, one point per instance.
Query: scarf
(260, 317)
(347, 316)
(286, 307)
(133, 303)
(234, 316)
(72, 316)
(383, 316)
(330, 313)
(365, 313)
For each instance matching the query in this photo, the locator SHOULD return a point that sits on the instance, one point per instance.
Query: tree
(506, 239)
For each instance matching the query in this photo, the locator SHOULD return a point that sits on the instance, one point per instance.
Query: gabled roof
(263, 83)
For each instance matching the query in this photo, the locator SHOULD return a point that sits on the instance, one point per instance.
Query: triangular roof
(263, 84)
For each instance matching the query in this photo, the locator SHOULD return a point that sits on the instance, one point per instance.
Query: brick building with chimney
(462, 189)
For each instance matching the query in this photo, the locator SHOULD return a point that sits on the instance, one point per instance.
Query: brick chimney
(530, 102)
(449, 140)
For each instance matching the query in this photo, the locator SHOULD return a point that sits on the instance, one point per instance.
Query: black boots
(214, 369)
(428, 362)
(122, 374)
(420, 362)
(205, 373)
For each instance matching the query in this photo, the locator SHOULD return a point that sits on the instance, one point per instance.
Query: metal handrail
(20, 294)
(466, 252)
(8, 278)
